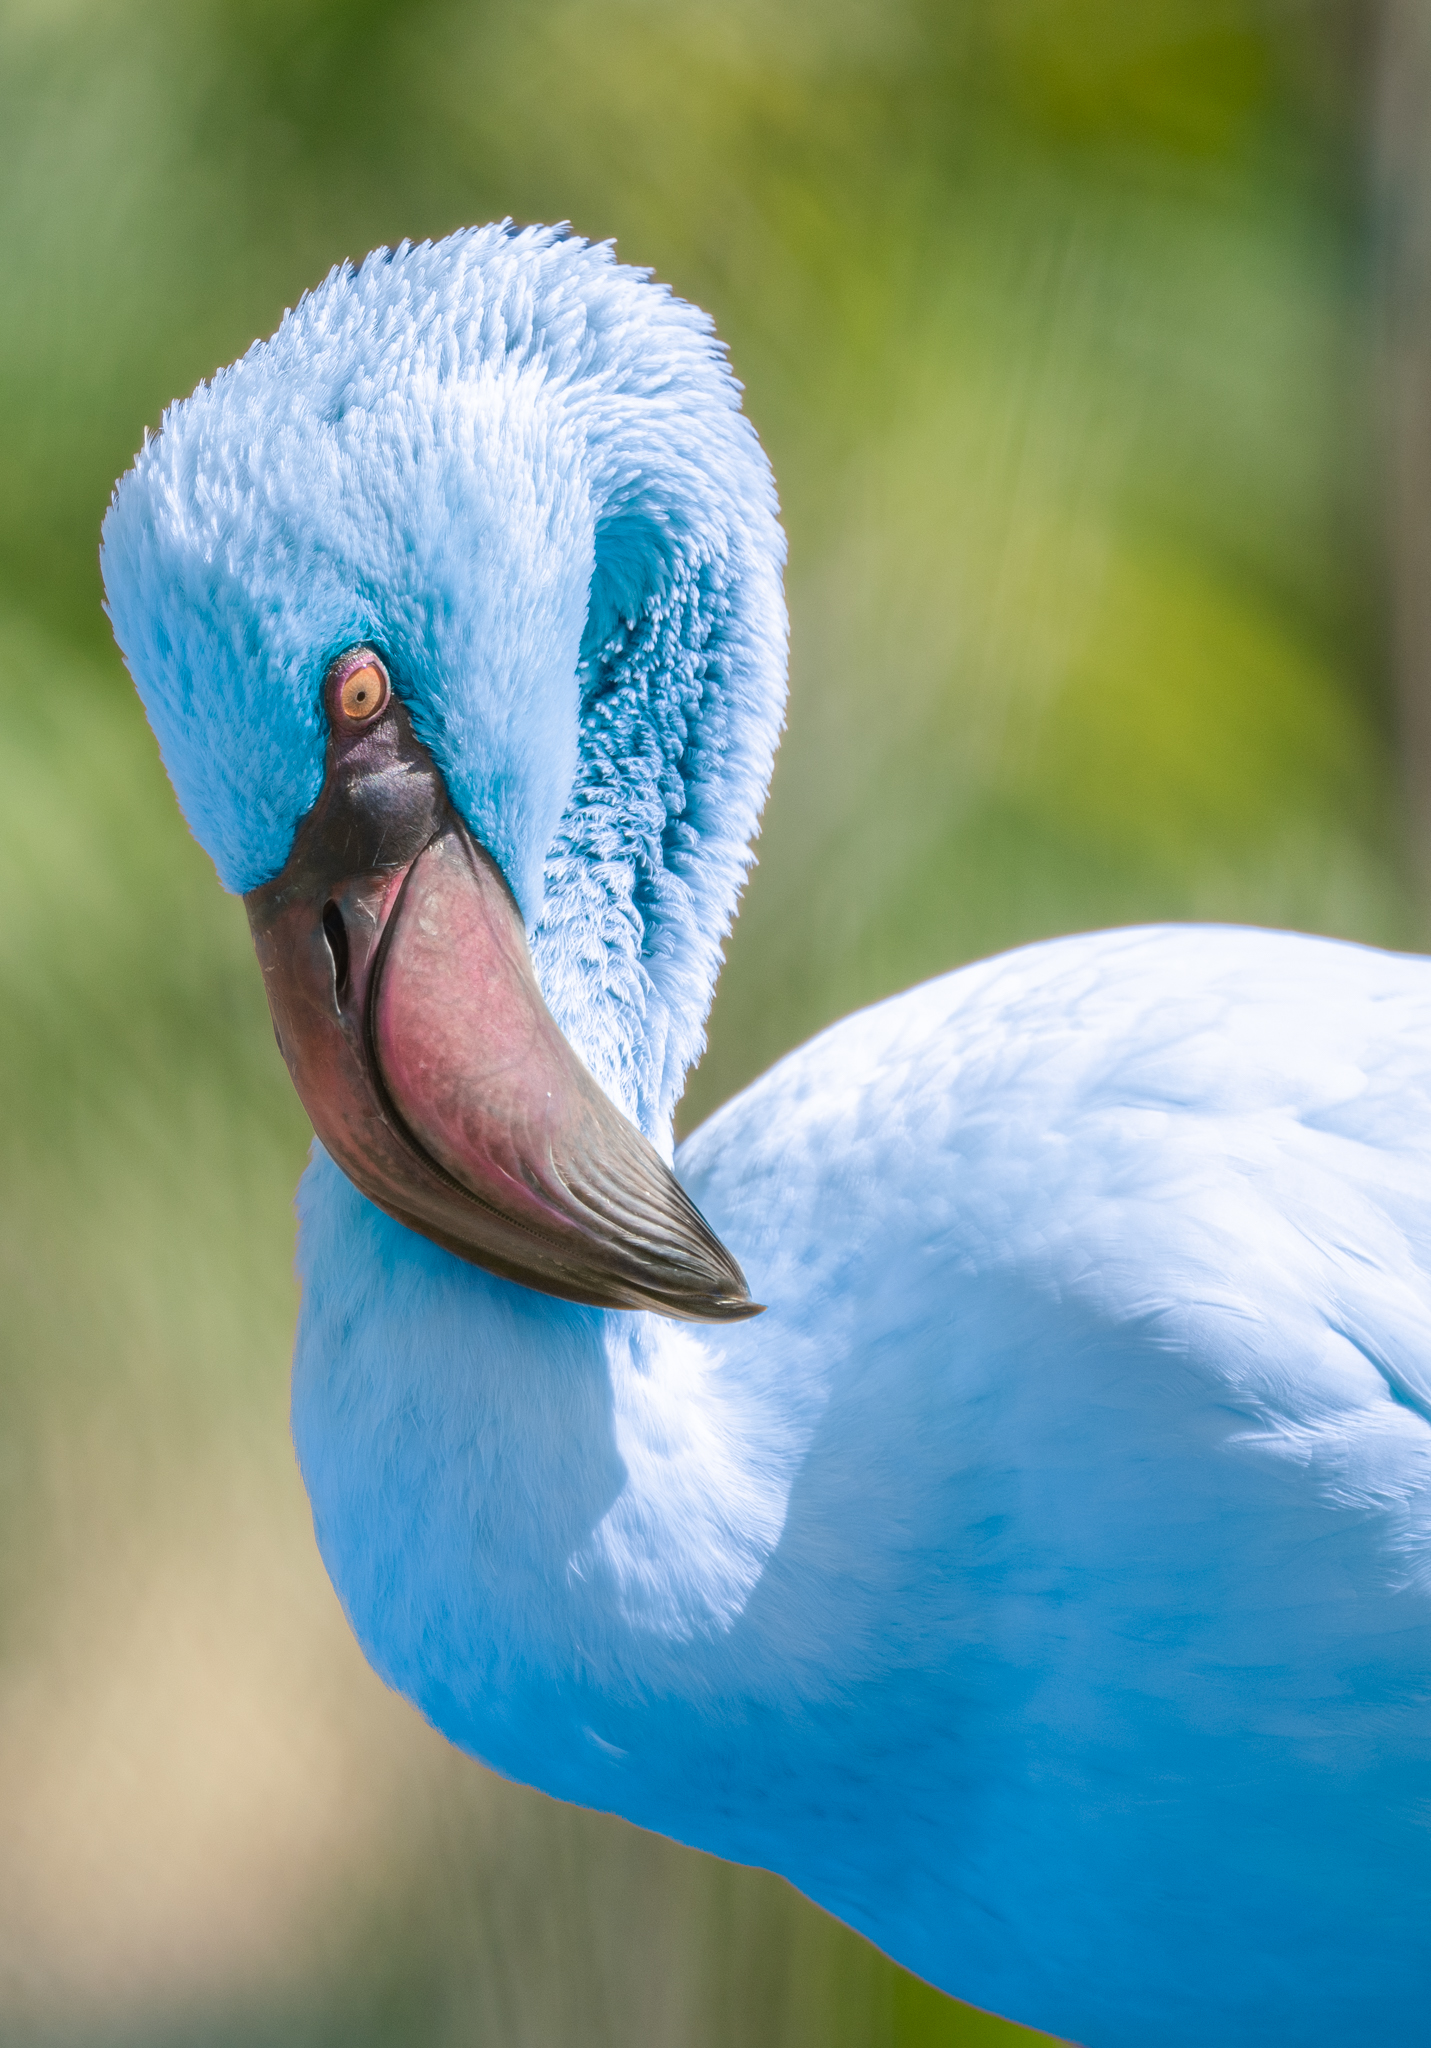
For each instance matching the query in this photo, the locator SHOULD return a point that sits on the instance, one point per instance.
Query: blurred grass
(1052, 314)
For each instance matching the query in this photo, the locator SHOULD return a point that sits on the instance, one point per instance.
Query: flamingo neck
(522, 1501)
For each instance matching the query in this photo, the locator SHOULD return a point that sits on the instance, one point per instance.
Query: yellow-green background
(1056, 319)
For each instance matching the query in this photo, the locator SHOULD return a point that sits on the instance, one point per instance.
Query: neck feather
(681, 683)
(515, 1496)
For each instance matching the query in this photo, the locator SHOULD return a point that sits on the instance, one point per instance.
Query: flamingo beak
(408, 1012)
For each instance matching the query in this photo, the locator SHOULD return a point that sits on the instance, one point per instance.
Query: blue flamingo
(1042, 1581)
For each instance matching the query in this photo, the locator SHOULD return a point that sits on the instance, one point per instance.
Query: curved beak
(408, 1012)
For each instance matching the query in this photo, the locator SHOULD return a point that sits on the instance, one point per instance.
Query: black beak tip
(736, 1308)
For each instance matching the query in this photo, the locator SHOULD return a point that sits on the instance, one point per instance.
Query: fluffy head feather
(519, 469)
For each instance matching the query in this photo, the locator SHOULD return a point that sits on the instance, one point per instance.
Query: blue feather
(1044, 1583)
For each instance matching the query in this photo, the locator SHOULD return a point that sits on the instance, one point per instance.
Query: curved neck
(514, 1495)
(681, 682)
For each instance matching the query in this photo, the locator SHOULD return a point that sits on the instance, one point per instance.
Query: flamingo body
(1042, 1582)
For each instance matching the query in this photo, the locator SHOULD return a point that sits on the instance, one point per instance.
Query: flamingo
(985, 1474)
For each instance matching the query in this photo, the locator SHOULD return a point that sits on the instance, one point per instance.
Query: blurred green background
(1059, 319)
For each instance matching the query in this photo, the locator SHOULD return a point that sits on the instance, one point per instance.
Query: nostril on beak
(336, 933)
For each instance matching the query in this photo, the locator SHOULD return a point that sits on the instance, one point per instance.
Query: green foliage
(1052, 317)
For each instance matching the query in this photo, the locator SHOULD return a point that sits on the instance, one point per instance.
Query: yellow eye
(363, 691)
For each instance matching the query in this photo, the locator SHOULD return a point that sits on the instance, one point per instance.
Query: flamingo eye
(360, 688)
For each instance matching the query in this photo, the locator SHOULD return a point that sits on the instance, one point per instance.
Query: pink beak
(408, 1011)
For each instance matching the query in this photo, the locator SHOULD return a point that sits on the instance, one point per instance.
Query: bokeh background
(1086, 339)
